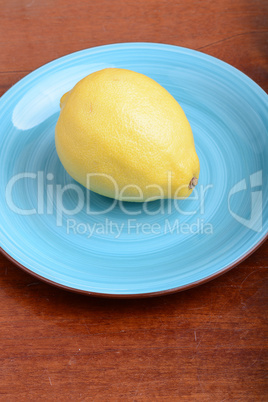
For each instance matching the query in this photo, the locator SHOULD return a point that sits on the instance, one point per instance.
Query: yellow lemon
(122, 135)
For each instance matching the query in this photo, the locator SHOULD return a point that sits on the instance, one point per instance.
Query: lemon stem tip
(193, 183)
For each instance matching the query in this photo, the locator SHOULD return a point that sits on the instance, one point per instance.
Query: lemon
(122, 135)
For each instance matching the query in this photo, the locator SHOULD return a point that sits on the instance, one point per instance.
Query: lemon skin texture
(122, 135)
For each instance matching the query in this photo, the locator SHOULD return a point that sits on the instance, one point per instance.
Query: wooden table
(206, 343)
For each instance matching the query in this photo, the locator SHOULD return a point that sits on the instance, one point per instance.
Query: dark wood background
(205, 344)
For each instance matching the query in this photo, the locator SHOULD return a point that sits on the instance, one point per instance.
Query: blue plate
(62, 233)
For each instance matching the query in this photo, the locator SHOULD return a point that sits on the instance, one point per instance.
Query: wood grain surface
(205, 344)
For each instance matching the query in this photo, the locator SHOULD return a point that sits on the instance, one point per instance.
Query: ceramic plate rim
(138, 295)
